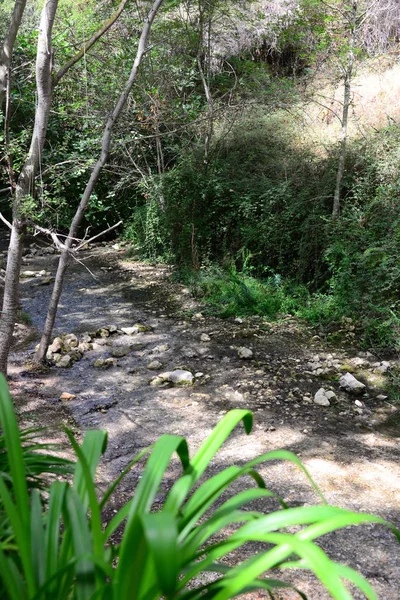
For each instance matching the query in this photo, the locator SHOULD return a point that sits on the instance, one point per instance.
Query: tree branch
(5, 221)
(84, 243)
(8, 45)
(95, 37)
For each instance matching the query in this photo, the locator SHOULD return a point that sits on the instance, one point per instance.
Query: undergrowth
(229, 293)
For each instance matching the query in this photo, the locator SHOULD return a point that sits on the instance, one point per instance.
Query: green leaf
(161, 533)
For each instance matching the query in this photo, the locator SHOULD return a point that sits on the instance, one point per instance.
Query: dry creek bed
(351, 447)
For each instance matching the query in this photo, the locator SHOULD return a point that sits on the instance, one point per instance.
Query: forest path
(353, 453)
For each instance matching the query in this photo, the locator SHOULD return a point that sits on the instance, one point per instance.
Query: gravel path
(353, 455)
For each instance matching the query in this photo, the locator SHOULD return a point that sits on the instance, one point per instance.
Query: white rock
(331, 395)
(382, 397)
(351, 385)
(244, 352)
(28, 274)
(64, 362)
(130, 330)
(321, 399)
(198, 375)
(71, 340)
(205, 337)
(359, 363)
(180, 377)
(383, 367)
(56, 345)
(358, 403)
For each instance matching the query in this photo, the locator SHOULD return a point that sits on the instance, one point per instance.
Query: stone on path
(244, 352)
(104, 363)
(351, 385)
(321, 398)
(154, 365)
(181, 377)
(205, 337)
(120, 351)
(67, 396)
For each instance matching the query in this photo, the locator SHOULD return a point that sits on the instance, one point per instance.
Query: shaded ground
(352, 453)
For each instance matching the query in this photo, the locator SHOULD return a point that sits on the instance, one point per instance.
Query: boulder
(351, 385)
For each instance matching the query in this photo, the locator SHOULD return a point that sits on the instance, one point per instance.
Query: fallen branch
(84, 243)
(50, 233)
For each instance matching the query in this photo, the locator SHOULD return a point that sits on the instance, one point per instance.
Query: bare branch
(97, 236)
(50, 233)
(5, 221)
(95, 38)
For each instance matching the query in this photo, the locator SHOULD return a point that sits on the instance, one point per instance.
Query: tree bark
(105, 148)
(346, 108)
(8, 46)
(26, 179)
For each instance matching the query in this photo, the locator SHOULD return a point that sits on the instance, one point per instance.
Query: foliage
(61, 550)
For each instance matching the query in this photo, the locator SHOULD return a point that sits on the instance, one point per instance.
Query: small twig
(83, 265)
(96, 236)
(5, 221)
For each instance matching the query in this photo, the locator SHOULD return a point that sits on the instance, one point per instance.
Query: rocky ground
(141, 358)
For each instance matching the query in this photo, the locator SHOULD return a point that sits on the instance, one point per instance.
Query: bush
(59, 548)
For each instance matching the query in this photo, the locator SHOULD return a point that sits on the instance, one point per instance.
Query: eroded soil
(352, 453)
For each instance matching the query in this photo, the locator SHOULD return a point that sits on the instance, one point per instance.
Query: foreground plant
(58, 548)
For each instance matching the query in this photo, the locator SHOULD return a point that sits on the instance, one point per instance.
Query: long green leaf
(38, 538)
(93, 446)
(52, 534)
(161, 534)
(77, 523)
(204, 455)
(133, 544)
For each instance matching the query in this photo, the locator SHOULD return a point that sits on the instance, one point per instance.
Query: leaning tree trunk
(105, 148)
(26, 179)
(345, 113)
(8, 46)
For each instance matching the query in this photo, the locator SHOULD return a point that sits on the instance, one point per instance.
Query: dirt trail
(353, 454)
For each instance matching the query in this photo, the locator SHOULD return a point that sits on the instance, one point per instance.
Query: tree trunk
(345, 114)
(105, 148)
(8, 46)
(26, 179)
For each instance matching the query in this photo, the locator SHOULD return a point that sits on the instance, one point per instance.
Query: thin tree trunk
(26, 179)
(8, 46)
(105, 148)
(345, 114)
